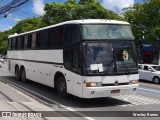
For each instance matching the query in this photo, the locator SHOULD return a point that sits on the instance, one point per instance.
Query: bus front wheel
(62, 87)
(23, 75)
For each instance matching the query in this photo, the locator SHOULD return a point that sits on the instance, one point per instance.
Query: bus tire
(62, 87)
(17, 73)
(23, 75)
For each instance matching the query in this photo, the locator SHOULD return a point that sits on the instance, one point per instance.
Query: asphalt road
(146, 99)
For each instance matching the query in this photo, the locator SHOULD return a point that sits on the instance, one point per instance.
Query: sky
(34, 8)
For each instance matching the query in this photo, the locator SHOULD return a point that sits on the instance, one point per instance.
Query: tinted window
(29, 41)
(71, 35)
(25, 41)
(43, 36)
(33, 40)
(22, 42)
(145, 67)
(9, 44)
(67, 54)
(13, 43)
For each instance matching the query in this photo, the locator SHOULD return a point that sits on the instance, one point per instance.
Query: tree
(27, 25)
(145, 20)
(3, 41)
(72, 10)
(83, 2)
(22, 26)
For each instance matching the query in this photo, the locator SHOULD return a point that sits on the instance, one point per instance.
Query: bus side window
(50, 39)
(19, 42)
(75, 34)
(25, 41)
(37, 40)
(67, 55)
(16, 43)
(76, 63)
(9, 44)
(71, 35)
(13, 43)
(22, 42)
(60, 34)
(43, 36)
(34, 40)
(29, 41)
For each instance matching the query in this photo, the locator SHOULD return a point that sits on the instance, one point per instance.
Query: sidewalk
(12, 100)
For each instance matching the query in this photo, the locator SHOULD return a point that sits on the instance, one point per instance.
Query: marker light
(93, 84)
(134, 81)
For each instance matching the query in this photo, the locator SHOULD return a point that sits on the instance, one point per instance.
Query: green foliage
(22, 26)
(72, 10)
(27, 25)
(3, 41)
(84, 2)
(145, 20)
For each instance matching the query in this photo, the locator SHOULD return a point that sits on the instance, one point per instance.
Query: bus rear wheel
(17, 73)
(62, 87)
(23, 75)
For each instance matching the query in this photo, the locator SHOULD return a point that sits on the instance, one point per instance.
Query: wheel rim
(156, 80)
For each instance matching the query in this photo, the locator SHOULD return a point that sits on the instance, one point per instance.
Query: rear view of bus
(110, 61)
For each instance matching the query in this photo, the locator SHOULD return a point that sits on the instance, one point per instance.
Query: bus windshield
(110, 58)
(106, 31)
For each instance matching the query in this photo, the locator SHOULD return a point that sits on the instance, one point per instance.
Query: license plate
(115, 91)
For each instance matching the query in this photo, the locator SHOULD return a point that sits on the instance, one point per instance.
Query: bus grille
(112, 84)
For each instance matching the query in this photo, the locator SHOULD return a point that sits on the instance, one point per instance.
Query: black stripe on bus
(36, 61)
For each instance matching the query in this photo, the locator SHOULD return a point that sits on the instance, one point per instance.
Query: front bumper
(98, 92)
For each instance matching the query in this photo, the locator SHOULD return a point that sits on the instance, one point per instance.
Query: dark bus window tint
(19, 42)
(13, 43)
(16, 43)
(29, 41)
(60, 37)
(9, 44)
(75, 34)
(71, 35)
(25, 41)
(22, 42)
(43, 39)
(37, 40)
(33, 40)
(67, 55)
(67, 36)
(50, 38)
(55, 38)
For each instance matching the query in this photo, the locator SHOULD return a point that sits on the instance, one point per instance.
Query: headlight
(134, 81)
(93, 84)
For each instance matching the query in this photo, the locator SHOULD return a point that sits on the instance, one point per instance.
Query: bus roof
(85, 21)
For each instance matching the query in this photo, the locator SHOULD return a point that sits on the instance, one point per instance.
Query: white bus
(86, 58)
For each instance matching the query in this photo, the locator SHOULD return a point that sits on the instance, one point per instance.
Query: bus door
(71, 47)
